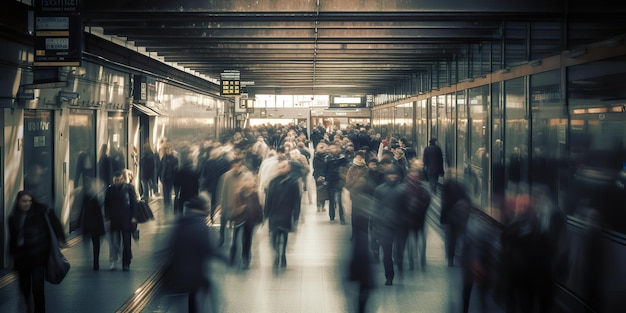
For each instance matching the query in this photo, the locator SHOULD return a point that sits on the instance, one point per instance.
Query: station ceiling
(339, 47)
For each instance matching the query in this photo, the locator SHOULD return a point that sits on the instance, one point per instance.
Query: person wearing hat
(387, 217)
(433, 163)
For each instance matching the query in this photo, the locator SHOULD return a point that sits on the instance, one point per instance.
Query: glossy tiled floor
(314, 280)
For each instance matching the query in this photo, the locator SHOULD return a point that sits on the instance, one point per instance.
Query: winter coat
(186, 184)
(319, 165)
(247, 208)
(148, 165)
(92, 221)
(433, 161)
(453, 191)
(418, 201)
(120, 205)
(227, 189)
(191, 248)
(282, 203)
(388, 210)
(336, 168)
(29, 235)
(168, 167)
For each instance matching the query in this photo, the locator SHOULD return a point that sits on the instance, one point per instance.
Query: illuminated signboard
(58, 33)
(346, 102)
(231, 83)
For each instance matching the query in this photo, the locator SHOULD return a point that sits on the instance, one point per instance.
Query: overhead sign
(231, 83)
(344, 102)
(58, 33)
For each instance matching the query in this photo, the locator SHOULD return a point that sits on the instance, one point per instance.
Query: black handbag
(143, 213)
(57, 266)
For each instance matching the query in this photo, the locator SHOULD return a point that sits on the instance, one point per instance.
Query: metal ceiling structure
(308, 47)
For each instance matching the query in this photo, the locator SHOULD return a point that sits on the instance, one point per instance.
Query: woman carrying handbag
(30, 246)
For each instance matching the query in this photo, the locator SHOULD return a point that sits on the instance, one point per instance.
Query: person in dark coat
(93, 224)
(418, 201)
(433, 163)
(120, 205)
(319, 173)
(148, 167)
(105, 171)
(29, 246)
(186, 184)
(168, 167)
(455, 208)
(361, 187)
(246, 215)
(336, 168)
(282, 206)
(388, 205)
(192, 247)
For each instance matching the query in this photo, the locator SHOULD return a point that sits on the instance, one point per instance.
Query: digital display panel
(57, 43)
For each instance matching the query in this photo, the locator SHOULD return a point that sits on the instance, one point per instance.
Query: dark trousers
(32, 279)
(374, 245)
(432, 181)
(279, 251)
(95, 243)
(387, 258)
(452, 236)
(402, 233)
(335, 202)
(167, 196)
(246, 231)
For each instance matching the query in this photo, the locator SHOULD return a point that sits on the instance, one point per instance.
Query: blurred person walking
(335, 171)
(226, 193)
(282, 208)
(147, 167)
(92, 224)
(388, 205)
(433, 162)
(120, 203)
(191, 248)
(186, 184)
(30, 245)
(418, 202)
(247, 214)
(455, 206)
(168, 168)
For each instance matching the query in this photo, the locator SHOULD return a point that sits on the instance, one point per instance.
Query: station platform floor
(313, 281)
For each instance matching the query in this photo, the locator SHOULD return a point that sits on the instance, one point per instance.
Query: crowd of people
(266, 173)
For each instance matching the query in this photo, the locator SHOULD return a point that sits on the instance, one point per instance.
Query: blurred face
(237, 167)
(392, 177)
(333, 149)
(372, 165)
(283, 168)
(25, 202)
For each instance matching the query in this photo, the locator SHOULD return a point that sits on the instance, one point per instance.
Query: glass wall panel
(549, 121)
(433, 118)
(39, 155)
(422, 123)
(516, 135)
(443, 123)
(596, 97)
(117, 140)
(462, 157)
(497, 151)
(478, 172)
(449, 148)
(83, 159)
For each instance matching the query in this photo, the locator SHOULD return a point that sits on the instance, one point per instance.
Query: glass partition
(478, 171)
(516, 135)
(497, 151)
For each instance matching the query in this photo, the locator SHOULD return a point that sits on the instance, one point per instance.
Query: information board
(58, 33)
(231, 83)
